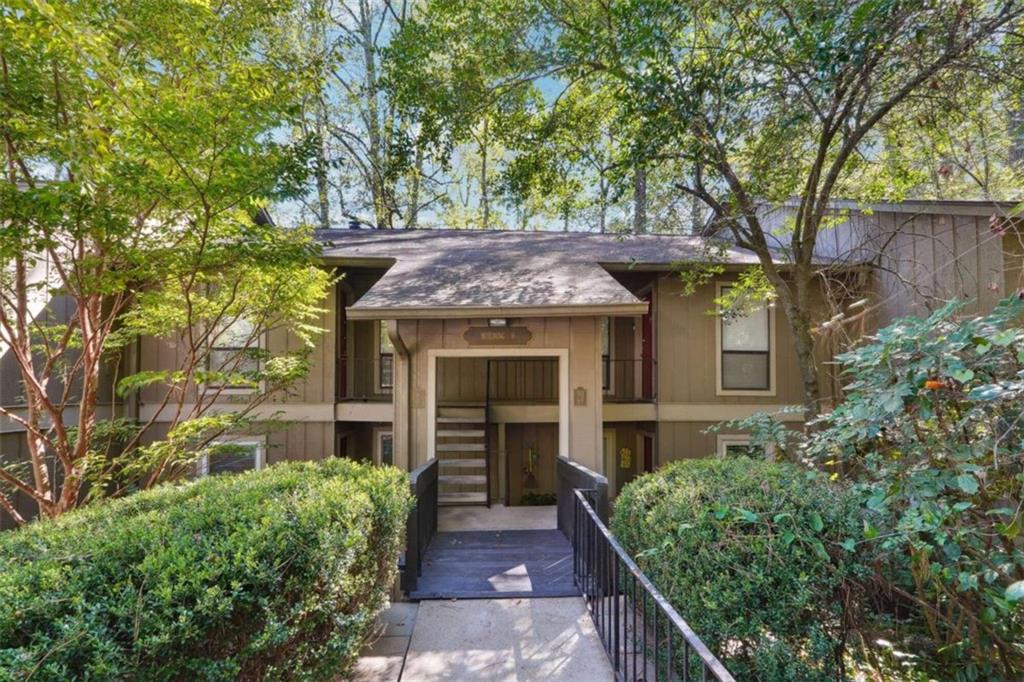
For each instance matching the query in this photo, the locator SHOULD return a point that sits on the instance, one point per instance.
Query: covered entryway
(499, 421)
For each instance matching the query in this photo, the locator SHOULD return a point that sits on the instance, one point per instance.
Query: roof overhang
(482, 312)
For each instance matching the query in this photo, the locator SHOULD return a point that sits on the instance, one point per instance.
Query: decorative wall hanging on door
(530, 470)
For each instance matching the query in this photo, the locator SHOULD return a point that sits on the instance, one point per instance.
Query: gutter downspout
(401, 399)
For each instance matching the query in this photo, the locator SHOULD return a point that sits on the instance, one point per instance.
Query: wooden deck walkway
(497, 564)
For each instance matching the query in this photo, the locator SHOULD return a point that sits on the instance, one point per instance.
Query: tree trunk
(485, 201)
(413, 212)
(602, 185)
(795, 302)
(640, 199)
(322, 186)
(373, 127)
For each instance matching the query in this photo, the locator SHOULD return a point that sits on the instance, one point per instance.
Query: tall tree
(139, 140)
(369, 164)
(770, 99)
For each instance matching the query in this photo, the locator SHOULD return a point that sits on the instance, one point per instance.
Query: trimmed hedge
(270, 574)
(751, 554)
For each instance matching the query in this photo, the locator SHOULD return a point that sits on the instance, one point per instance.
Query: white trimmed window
(233, 456)
(385, 360)
(746, 354)
(730, 445)
(383, 447)
(230, 353)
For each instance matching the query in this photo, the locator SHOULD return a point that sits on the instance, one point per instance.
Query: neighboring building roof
(478, 273)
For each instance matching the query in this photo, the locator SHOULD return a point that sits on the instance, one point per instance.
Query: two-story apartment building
(496, 352)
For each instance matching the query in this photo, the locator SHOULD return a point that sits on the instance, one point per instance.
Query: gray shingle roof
(471, 273)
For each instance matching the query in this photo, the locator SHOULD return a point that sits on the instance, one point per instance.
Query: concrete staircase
(461, 449)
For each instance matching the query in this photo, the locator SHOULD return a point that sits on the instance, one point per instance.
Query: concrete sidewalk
(516, 640)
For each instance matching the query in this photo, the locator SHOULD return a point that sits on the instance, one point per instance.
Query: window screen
(232, 458)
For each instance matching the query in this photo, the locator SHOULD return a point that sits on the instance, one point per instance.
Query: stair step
(462, 463)
(462, 479)
(461, 498)
(460, 411)
(461, 420)
(461, 433)
(460, 447)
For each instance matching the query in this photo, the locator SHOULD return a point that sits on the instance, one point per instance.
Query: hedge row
(751, 554)
(269, 574)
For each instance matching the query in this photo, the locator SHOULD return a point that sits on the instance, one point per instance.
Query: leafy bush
(749, 552)
(930, 434)
(269, 574)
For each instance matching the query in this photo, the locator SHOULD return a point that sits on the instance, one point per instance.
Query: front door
(608, 440)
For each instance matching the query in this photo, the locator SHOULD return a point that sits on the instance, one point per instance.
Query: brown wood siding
(462, 380)
(685, 440)
(928, 258)
(318, 387)
(627, 435)
(301, 441)
(686, 349)
(14, 448)
(1013, 263)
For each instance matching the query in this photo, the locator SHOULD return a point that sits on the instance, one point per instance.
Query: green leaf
(967, 483)
(849, 544)
(1015, 592)
(747, 515)
(816, 523)
(963, 375)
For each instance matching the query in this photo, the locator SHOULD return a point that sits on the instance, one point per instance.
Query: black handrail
(635, 622)
(421, 524)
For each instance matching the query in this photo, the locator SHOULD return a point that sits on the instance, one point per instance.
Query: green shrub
(269, 574)
(750, 553)
(930, 438)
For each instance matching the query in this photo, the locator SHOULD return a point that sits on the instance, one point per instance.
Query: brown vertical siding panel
(990, 265)
(1013, 263)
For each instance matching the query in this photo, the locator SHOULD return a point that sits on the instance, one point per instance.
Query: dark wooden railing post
(421, 524)
(571, 476)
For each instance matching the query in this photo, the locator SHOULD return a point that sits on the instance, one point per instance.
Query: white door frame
(561, 354)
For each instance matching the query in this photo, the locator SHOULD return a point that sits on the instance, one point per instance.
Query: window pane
(387, 449)
(749, 332)
(237, 335)
(233, 458)
(385, 340)
(606, 336)
(743, 450)
(745, 371)
(387, 364)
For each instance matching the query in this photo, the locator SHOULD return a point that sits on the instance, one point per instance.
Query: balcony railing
(628, 380)
(644, 636)
(364, 378)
